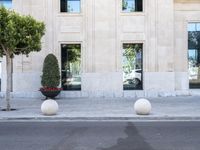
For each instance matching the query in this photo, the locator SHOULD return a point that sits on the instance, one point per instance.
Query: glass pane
(198, 26)
(128, 5)
(191, 27)
(132, 5)
(71, 66)
(73, 6)
(6, 3)
(132, 66)
(194, 55)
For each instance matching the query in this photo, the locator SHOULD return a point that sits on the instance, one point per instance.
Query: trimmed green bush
(51, 73)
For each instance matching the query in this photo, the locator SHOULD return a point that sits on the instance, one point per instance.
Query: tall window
(132, 5)
(6, 3)
(132, 66)
(194, 54)
(70, 6)
(71, 66)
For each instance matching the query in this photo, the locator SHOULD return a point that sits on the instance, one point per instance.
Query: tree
(18, 35)
(51, 73)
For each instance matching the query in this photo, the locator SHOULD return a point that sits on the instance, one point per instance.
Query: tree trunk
(9, 80)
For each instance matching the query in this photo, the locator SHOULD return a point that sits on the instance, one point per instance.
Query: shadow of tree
(134, 141)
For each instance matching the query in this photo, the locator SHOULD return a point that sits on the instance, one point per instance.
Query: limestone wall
(102, 28)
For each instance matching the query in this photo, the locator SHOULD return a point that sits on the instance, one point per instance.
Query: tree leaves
(19, 34)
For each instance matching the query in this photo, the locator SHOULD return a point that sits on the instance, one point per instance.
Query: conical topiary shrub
(50, 76)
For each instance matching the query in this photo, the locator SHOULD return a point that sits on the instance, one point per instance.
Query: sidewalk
(78, 109)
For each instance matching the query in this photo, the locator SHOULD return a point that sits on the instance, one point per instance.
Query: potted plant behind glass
(50, 77)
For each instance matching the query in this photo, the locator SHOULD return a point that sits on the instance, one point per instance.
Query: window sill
(66, 14)
(132, 14)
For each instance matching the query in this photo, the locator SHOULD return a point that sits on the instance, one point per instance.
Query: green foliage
(51, 73)
(19, 34)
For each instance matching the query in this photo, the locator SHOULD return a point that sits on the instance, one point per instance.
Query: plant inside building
(50, 77)
(18, 35)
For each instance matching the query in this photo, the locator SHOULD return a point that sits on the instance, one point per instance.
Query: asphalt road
(99, 136)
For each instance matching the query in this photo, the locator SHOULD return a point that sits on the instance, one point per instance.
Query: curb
(137, 118)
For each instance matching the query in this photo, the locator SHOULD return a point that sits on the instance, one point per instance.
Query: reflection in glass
(132, 5)
(132, 66)
(71, 66)
(71, 6)
(6, 3)
(194, 54)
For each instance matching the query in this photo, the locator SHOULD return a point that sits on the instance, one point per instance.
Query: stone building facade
(122, 48)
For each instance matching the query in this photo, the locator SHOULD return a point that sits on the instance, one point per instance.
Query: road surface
(99, 136)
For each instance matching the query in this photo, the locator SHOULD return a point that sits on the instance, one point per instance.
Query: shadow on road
(134, 141)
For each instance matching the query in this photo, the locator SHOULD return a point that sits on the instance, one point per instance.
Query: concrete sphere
(49, 107)
(142, 107)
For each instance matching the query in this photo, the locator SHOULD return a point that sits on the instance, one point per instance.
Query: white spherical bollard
(49, 107)
(142, 107)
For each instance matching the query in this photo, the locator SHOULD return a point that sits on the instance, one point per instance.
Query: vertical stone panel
(151, 36)
(165, 33)
(104, 35)
(160, 46)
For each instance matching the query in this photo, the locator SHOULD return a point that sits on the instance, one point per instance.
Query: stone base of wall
(23, 95)
(109, 85)
(29, 81)
(101, 94)
(159, 81)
